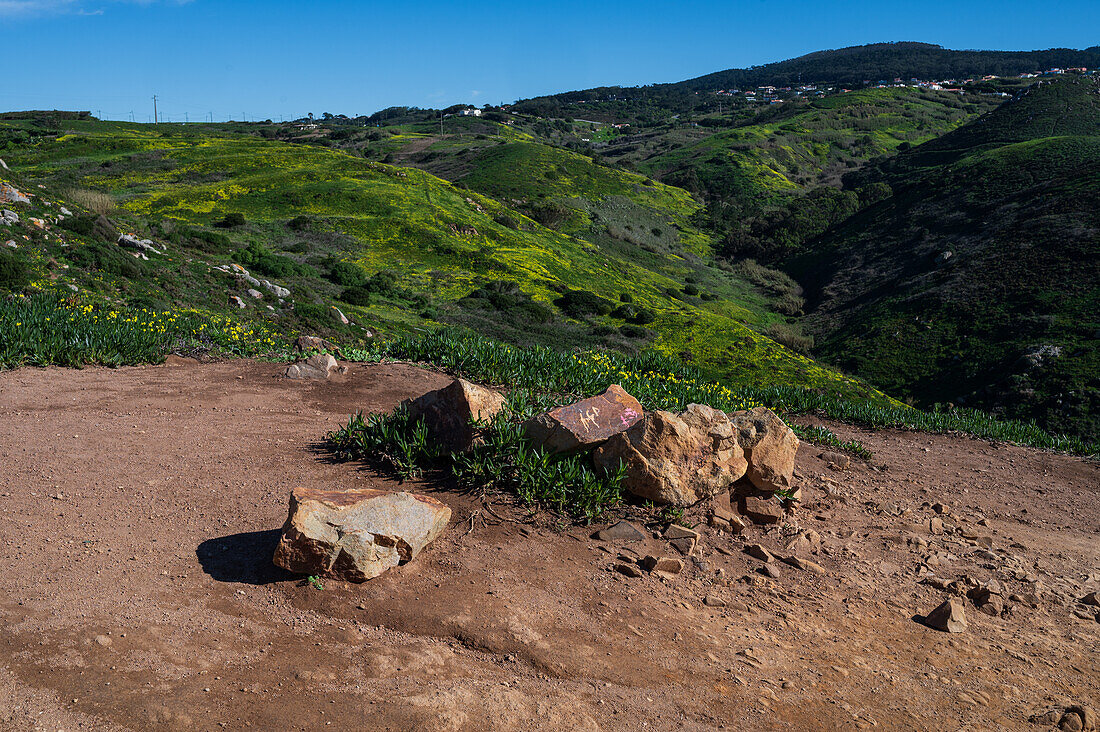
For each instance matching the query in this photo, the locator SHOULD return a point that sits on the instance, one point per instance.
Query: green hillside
(978, 280)
(396, 249)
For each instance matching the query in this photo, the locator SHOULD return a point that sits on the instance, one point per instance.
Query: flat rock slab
(356, 534)
(317, 366)
(623, 531)
(585, 424)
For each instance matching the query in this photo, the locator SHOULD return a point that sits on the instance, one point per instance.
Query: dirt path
(139, 508)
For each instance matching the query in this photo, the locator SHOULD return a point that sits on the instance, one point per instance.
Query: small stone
(675, 531)
(1088, 716)
(630, 570)
(758, 551)
(935, 526)
(1071, 722)
(761, 509)
(770, 570)
(805, 542)
(623, 531)
(720, 506)
(716, 522)
(1091, 599)
(712, 601)
(806, 564)
(685, 546)
(663, 564)
(939, 508)
(948, 617)
(103, 640)
(836, 460)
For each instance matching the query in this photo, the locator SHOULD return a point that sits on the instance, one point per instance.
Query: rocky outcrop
(770, 447)
(131, 241)
(358, 534)
(448, 413)
(11, 194)
(308, 343)
(585, 424)
(317, 366)
(676, 459)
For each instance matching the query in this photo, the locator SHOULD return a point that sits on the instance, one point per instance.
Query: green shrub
(107, 258)
(347, 274)
(691, 290)
(581, 303)
(14, 272)
(635, 331)
(643, 316)
(231, 220)
(91, 225)
(384, 282)
(626, 297)
(790, 337)
(259, 258)
(357, 295)
(300, 223)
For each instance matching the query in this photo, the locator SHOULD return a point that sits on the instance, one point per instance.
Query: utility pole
(155, 120)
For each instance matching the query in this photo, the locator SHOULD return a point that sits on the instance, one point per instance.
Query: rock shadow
(243, 558)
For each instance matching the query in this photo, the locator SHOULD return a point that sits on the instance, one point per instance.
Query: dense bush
(231, 220)
(14, 272)
(91, 225)
(635, 331)
(300, 223)
(357, 295)
(581, 303)
(213, 242)
(107, 258)
(261, 259)
(346, 274)
(506, 297)
(691, 290)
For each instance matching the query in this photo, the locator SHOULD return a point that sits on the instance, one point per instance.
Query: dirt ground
(139, 508)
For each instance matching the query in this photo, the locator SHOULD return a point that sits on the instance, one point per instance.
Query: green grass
(50, 329)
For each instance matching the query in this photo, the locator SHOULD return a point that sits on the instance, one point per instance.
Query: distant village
(780, 94)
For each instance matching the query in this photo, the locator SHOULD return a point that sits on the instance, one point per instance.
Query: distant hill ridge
(871, 62)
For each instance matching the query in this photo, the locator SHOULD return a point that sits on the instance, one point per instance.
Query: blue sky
(273, 59)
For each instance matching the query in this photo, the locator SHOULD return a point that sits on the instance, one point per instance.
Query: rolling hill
(396, 249)
(977, 280)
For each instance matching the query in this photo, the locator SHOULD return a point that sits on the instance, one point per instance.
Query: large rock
(317, 366)
(676, 459)
(948, 617)
(586, 423)
(356, 534)
(449, 412)
(770, 447)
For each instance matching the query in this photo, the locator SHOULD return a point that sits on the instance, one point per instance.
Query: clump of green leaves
(503, 460)
(826, 437)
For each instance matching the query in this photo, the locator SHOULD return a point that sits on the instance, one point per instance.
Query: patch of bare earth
(139, 508)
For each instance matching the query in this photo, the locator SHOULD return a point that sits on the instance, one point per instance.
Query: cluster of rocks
(142, 246)
(316, 361)
(11, 194)
(1077, 718)
(679, 459)
(243, 274)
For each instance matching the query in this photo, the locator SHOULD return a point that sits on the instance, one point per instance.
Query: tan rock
(807, 541)
(663, 564)
(761, 508)
(805, 564)
(317, 366)
(758, 551)
(676, 459)
(449, 412)
(836, 460)
(948, 617)
(308, 343)
(356, 534)
(585, 424)
(770, 447)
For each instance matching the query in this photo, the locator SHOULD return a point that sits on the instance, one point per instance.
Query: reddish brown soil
(139, 508)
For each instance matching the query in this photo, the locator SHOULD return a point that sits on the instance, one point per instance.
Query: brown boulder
(769, 446)
(585, 424)
(449, 412)
(307, 343)
(356, 534)
(676, 459)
